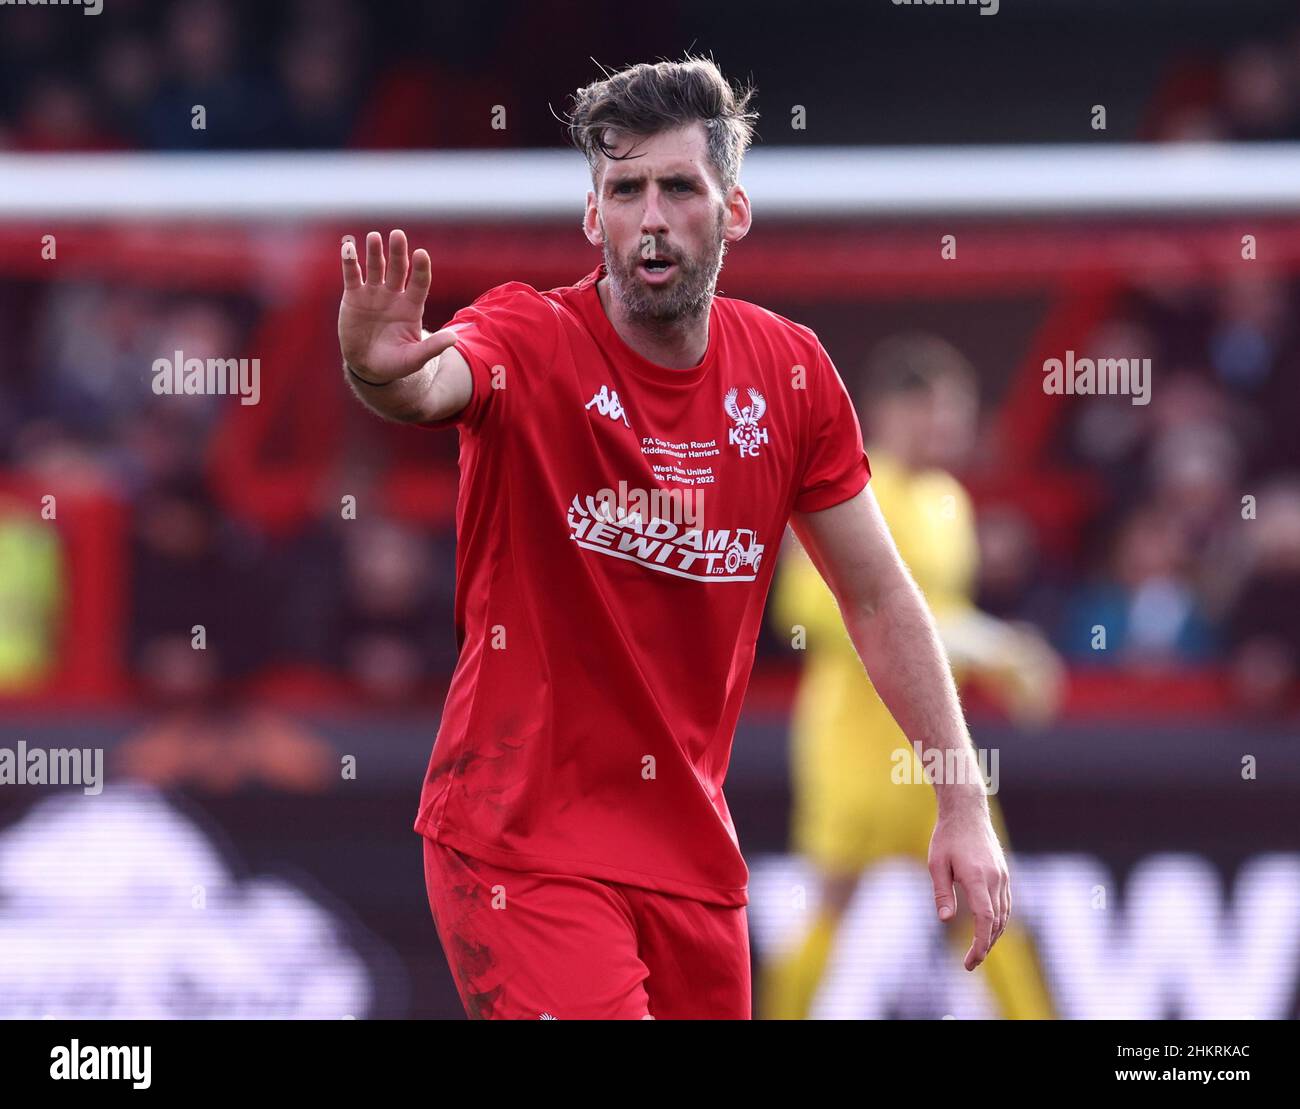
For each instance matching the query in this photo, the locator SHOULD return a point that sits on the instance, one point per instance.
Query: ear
(591, 221)
(738, 219)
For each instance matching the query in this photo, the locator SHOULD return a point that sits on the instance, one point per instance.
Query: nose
(652, 216)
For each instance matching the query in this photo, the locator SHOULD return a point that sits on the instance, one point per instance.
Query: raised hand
(380, 315)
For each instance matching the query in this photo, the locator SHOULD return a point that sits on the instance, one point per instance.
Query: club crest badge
(746, 436)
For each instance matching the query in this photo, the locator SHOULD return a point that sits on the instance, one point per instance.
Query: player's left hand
(964, 849)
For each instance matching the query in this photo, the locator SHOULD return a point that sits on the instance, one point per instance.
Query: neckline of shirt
(589, 299)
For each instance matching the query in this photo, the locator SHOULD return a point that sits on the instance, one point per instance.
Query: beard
(687, 296)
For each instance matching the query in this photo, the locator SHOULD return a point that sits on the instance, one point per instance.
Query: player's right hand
(381, 315)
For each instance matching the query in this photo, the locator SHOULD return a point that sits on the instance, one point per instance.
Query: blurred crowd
(1250, 95)
(367, 599)
(193, 75)
(135, 88)
(329, 74)
(1191, 555)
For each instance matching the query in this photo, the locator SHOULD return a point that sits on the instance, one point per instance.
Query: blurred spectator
(390, 636)
(201, 738)
(57, 114)
(1193, 471)
(31, 597)
(45, 451)
(1249, 329)
(97, 344)
(1013, 582)
(30, 49)
(238, 109)
(1258, 94)
(1145, 605)
(128, 73)
(1191, 123)
(318, 72)
(1254, 350)
(1110, 433)
(188, 566)
(1264, 621)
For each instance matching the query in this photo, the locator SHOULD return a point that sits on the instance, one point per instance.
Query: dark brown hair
(645, 99)
(912, 362)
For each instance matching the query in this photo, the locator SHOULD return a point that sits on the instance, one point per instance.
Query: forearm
(899, 645)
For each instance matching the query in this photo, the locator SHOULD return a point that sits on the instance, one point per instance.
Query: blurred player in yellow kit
(920, 411)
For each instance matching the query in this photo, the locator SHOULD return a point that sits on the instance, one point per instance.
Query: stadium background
(329, 638)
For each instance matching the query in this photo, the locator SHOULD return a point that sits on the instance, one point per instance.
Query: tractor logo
(746, 436)
(743, 551)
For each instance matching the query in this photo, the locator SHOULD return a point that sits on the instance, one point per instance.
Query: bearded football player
(579, 855)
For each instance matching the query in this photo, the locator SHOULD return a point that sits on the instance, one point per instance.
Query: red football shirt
(617, 528)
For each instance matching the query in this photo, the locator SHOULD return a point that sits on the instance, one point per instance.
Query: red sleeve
(835, 464)
(502, 335)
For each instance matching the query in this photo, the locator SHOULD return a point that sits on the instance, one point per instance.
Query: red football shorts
(529, 946)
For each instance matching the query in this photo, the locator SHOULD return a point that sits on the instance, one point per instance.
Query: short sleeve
(835, 464)
(504, 333)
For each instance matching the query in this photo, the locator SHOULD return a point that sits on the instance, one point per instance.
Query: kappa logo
(746, 436)
(608, 404)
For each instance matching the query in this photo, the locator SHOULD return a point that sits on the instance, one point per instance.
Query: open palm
(381, 314)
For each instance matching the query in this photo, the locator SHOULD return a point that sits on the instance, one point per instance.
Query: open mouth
(657, 267)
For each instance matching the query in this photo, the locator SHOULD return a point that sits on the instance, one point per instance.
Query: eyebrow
(689, 177)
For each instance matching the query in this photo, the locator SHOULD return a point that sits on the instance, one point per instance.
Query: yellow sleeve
(803, 599)
(954, 589)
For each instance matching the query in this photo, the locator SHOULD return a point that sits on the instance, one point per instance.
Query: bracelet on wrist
(372, 384)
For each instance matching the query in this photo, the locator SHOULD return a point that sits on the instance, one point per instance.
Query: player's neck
(675, 345)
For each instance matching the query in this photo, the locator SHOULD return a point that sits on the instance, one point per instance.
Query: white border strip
(823, 182)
